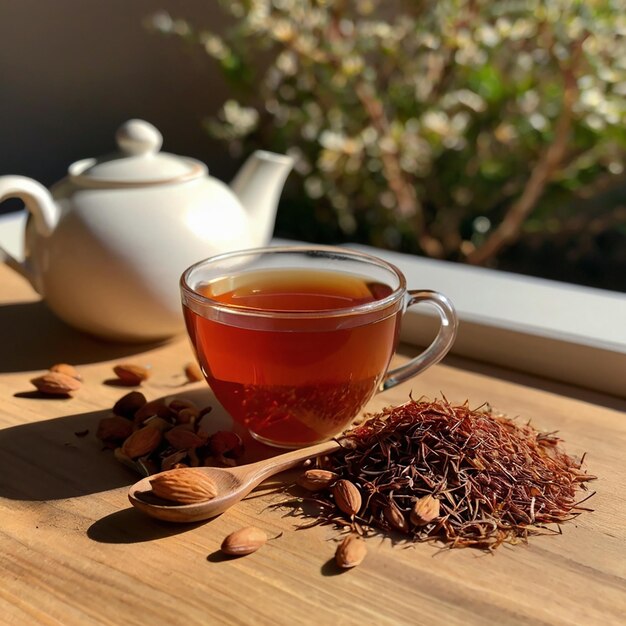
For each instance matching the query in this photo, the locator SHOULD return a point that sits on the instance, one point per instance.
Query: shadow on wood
(47, 460)
(130, 526)
(32, 338)
(54, 459)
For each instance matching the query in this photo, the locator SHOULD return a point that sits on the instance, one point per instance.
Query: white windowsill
(560, 331)
(12, 233)
(564, 332)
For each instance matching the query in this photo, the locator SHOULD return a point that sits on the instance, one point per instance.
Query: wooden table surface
(72, 551)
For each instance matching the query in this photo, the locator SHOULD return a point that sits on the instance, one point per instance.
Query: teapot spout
(258, 186)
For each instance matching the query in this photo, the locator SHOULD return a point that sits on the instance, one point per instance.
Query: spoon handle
(263, 469)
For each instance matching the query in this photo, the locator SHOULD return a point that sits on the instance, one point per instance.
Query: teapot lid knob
(136, 137)
(138, 162)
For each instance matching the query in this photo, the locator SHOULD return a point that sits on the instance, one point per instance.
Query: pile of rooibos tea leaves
(433, 471)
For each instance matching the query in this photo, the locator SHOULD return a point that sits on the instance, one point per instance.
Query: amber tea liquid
(289, 380)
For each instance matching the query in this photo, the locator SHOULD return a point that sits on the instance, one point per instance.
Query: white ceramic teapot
(107, 245)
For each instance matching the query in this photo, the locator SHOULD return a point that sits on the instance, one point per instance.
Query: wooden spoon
(233, 484)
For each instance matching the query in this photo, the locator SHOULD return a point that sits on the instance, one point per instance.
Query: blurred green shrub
(443, 127)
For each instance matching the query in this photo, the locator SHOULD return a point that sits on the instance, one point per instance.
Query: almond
(193, 372)
(118, 453)
(159, 423)
(173, 460)
(184, 411)
(347, 497)
(425, 510)
(317, 479)
(185, 485)
(142, 442)
(129, 404)
(56, 384)
(131, 374)
(181, 438)
(177, 404)
(114, 428)
(187, 416)
(226, 442)
(244, 541)
(395, 518)
(154, 407)
(202, 414)
(68, 370)
(350, 552)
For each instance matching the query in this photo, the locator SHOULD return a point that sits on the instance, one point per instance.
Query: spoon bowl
(232, 484)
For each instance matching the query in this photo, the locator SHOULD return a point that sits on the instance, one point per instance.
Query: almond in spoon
(185, 485)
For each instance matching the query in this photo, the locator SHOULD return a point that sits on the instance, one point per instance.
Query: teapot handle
(41, 206)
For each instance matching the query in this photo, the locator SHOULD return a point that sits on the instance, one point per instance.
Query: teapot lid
(138, 161)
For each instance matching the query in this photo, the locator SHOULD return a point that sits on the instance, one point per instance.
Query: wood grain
(73, 551)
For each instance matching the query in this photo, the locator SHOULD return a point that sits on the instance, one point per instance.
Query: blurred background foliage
(486, 132)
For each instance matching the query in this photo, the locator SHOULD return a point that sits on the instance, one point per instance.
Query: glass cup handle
(440, 345)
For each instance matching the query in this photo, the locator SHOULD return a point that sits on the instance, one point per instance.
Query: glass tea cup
(294, 340)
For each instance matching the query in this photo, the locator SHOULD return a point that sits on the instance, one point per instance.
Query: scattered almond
(350, 552)
(316, 479)
(187, 416)
(244, 541)
(164, 434)
(159, 423)
(114, 428)
(129, 404)
(184, 485)
(152, 408)
(193, 372)
(205, 411)
(142, 442)
(118, 453)
(173, 460)
(56, 384)
(425, 510)
(347, 497)
(68, 370)
(182, 438)
(176, 404)
(131, 374)
(226, 442)
(395, 518)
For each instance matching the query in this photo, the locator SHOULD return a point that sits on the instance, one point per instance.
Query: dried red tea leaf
(466, 477)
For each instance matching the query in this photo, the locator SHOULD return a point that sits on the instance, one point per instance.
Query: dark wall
(71, 71)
